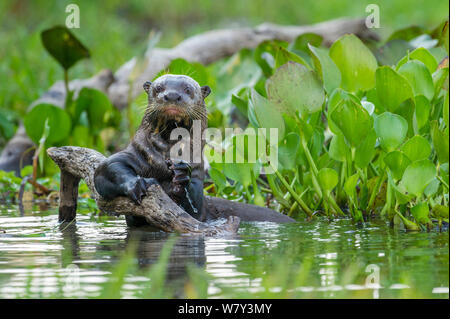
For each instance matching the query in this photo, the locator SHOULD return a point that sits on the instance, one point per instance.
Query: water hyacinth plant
(358, 136)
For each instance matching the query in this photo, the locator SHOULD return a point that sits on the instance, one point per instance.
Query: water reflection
(323, 259)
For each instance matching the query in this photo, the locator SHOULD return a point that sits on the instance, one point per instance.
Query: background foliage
(122, 31)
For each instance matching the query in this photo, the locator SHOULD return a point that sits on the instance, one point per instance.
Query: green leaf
(63, 46)
(366, 151)
(421, 213)
(422, 55)
(27, 170)
(316, 141)
(417, 176)
(339, 150)
(328, 179)
(355, 62)
(284, 56)
(237, 165)
(353, 121)
(239, 173)
(406, 111)
(303, 41)
(422, 111)
(350, 185)
(440, 211)
(440, 80)
(392, 88)
(397, 162)
(97, 106)
(391, 129)
(432, 188)
(287, 151)
(443, 172)
(218, 178)
(337, 97)
(416, 148)
(240, 103)
(81, 136)
(266, 115)
(326, 68)
(440, 142)
(250, 115)
(401, 195)
(264, 55)
(58, 120)
(444, 36)
(372, 97)
(418, 77)
(392, 52)
(295, 88)
(445, 110)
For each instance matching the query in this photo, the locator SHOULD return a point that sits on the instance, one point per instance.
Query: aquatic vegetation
(356, 136)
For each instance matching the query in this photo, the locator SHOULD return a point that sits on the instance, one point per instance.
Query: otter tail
(222, 208)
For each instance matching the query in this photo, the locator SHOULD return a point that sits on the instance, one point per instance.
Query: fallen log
(157, 208)
(204, 48)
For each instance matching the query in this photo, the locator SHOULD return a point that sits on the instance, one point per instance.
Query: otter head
(175, 100)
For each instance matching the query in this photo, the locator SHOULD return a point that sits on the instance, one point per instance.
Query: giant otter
(174, 101)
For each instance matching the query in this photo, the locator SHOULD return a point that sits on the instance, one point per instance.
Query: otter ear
(205, 91)
(147, 86)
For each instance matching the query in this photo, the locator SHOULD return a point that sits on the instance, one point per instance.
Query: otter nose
(172, 97)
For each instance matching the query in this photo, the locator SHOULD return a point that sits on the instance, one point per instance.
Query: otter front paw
(137, 189)
(181, 178)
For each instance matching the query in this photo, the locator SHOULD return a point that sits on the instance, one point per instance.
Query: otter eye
(187, 91)
(158, 89)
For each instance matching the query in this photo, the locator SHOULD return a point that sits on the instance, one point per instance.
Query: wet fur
(144, 160)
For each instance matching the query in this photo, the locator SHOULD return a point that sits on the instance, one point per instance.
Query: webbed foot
(181, 177)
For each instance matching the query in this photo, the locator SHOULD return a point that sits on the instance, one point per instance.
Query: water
(41, 259)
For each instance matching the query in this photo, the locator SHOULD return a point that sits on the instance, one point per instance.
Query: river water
(39, 258)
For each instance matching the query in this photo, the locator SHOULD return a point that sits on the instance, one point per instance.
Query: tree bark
(204, 48)
(68, 198)
(157, 208)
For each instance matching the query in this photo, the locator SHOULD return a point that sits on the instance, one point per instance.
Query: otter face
(176, 97)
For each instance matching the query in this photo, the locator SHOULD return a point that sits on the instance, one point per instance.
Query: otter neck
(163, 127)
